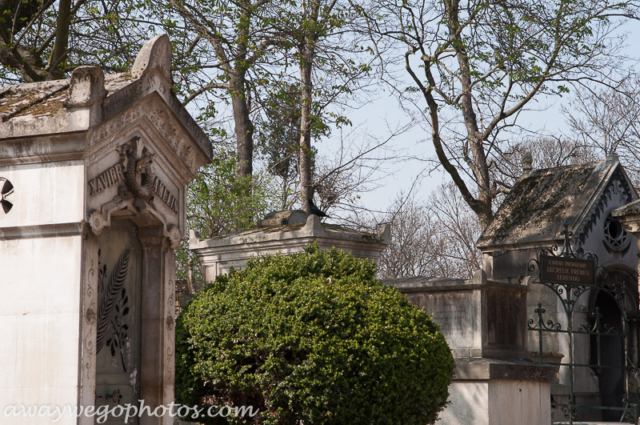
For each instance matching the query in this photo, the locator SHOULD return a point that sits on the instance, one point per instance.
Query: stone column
(156, 338)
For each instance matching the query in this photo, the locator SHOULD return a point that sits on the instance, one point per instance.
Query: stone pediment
(135, 141)
(130, 179)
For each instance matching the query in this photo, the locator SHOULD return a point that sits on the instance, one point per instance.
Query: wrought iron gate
(574, 276)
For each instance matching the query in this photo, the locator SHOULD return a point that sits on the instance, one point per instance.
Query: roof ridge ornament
(155, 54)
(527, 163)
(86, 87)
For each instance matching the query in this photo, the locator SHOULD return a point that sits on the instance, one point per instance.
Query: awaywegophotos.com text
(127, 411)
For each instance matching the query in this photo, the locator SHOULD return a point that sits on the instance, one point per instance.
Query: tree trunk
(306, 50)
(243, 129)
(478, 162)
(306, 183)
(62, 39)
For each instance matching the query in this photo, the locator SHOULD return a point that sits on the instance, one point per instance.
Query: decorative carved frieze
(159, 117)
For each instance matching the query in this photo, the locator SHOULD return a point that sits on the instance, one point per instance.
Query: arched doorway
(611, 329)
(607, 354)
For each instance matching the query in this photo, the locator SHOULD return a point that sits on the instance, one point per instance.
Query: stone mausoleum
(93, 174)
(547, 332)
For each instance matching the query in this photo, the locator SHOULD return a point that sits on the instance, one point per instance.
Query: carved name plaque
(454, 312)
(107, 179)
(567, 270)
(163, 193)
(452, 318)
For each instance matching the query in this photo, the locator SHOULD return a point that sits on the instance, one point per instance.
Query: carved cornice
(39, 150)
(159, 117)
(42, 231)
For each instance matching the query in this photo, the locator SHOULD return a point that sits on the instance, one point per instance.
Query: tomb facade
(571, 209)
(93, 175)
(548, 327)
(285, 232)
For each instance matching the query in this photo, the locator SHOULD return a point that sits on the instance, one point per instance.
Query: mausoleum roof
(84, 103)
(313, 229)
(543, 201)
(47, 98)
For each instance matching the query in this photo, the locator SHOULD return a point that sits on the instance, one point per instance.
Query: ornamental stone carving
(6, 190)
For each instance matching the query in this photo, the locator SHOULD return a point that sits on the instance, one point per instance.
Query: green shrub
(312, 337)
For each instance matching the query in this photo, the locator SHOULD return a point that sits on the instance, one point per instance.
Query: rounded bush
(311, 338)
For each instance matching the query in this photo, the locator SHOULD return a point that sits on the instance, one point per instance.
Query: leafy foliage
(220, 202)
(311, 337)
(46, 39)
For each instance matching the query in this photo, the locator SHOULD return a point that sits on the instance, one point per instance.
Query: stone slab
(478, 317)
(509, 370)
(219, 254)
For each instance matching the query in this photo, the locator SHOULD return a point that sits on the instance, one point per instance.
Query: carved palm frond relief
(110, 294)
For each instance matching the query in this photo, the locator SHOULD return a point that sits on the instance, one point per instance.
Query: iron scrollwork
(569, 293)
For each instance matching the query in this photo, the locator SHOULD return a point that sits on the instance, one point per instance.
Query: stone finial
(385, 233)
(86, 87)
(194, 236)
(155, 54)
(527, 163)
(313, 226)
(479, 277)
(612, 158)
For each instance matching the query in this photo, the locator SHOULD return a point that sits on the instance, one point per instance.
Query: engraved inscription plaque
(567, 270)
(454, 313)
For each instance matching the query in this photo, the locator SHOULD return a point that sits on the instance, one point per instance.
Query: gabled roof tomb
(543, 201)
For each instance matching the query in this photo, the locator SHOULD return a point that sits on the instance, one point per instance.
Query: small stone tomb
(284, 232)
(485, 319)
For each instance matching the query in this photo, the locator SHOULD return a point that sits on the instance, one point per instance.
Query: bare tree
(434, 238)
(608, 121)
(414, 244)
(547, 151)
(477, 65)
